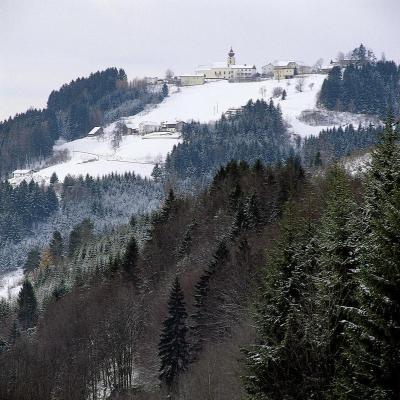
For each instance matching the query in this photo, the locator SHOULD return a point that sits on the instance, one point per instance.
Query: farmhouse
(228, 70)
(172, 126)
(285, 69)
(148, 127)
(96, 131)
(19, 173)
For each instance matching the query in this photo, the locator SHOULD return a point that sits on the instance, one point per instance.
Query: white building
(286, 69)
(268, 70)
(148, 127)
(96, 131)
(229, 70)
(19, 173)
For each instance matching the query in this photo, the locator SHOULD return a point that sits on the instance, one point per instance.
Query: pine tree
(201, 317)
(173, 347)
(27, 306)
(56, 247)
(53, 178)
(276, 366)
(372, 333)
(33, 260)
(15, 332)
(156, 173)
(165, 90)
(130, 259)
(335, 282)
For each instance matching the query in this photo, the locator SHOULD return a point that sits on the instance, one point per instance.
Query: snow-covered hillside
(205, 103)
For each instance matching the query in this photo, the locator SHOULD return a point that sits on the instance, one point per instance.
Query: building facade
(229, 70)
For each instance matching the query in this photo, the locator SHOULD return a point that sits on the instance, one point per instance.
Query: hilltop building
(228, 70)
(285, 69)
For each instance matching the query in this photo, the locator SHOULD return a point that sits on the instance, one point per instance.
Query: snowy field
(204, 103)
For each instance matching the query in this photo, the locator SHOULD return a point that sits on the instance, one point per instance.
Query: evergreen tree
(165, 90)
(53, 178)
(335, 282)
(156, 173)
(173, 347)
(130, 259)
(56, 247)
(27, 306)
(60, 290)
(372, 333)
(33, 260)
(276, 366)
(202, 318)
(15, 332)
(284, 95)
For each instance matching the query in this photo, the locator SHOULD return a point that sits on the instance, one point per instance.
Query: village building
(172, 126)
(268, 70)
(96, 131)
(148, 127)
(228, 70)
(231, 112)
(20, 173)
(286, 69)
(191, 79)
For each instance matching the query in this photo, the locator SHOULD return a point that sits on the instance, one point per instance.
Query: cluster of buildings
(228, 70)
(285, 69)
(233, 72)
(146, 127)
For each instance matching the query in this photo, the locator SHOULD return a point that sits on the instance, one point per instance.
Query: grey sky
(45, 43)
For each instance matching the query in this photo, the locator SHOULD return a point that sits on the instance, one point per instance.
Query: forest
(272, 283)
(365, 86)
(257, 132)
(72, 111)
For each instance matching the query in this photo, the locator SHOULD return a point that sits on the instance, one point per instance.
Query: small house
(172, 126)
(20, 173)
(96, 131)
(148, 127)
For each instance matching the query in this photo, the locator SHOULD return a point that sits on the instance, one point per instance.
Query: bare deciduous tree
(300, 82)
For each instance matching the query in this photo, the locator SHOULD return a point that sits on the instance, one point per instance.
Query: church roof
(231, 53)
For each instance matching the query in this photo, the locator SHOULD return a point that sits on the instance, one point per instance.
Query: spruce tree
(130, 259)
(372, 332)
(276, 366)
(53, 178)
(202, 318)
(165, 90)
(335, 282)
(27, 306)
(56, 247)
(173, 347)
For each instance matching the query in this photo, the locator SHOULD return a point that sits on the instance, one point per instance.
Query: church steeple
(231, 57)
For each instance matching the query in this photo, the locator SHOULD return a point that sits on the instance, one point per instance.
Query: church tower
(231, 58)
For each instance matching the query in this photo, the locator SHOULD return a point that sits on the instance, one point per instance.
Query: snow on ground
(10, 283)
(96, 157)
(204, 103)
(207, 102)
(356, 165)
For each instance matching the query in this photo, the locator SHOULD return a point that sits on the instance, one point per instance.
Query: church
(228, 70)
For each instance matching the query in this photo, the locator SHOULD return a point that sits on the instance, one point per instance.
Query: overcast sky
(45, 43)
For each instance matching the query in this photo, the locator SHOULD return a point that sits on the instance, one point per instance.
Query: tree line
(71, 112)
(365, 86)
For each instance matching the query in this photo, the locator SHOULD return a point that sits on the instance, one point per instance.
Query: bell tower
(231, 58)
